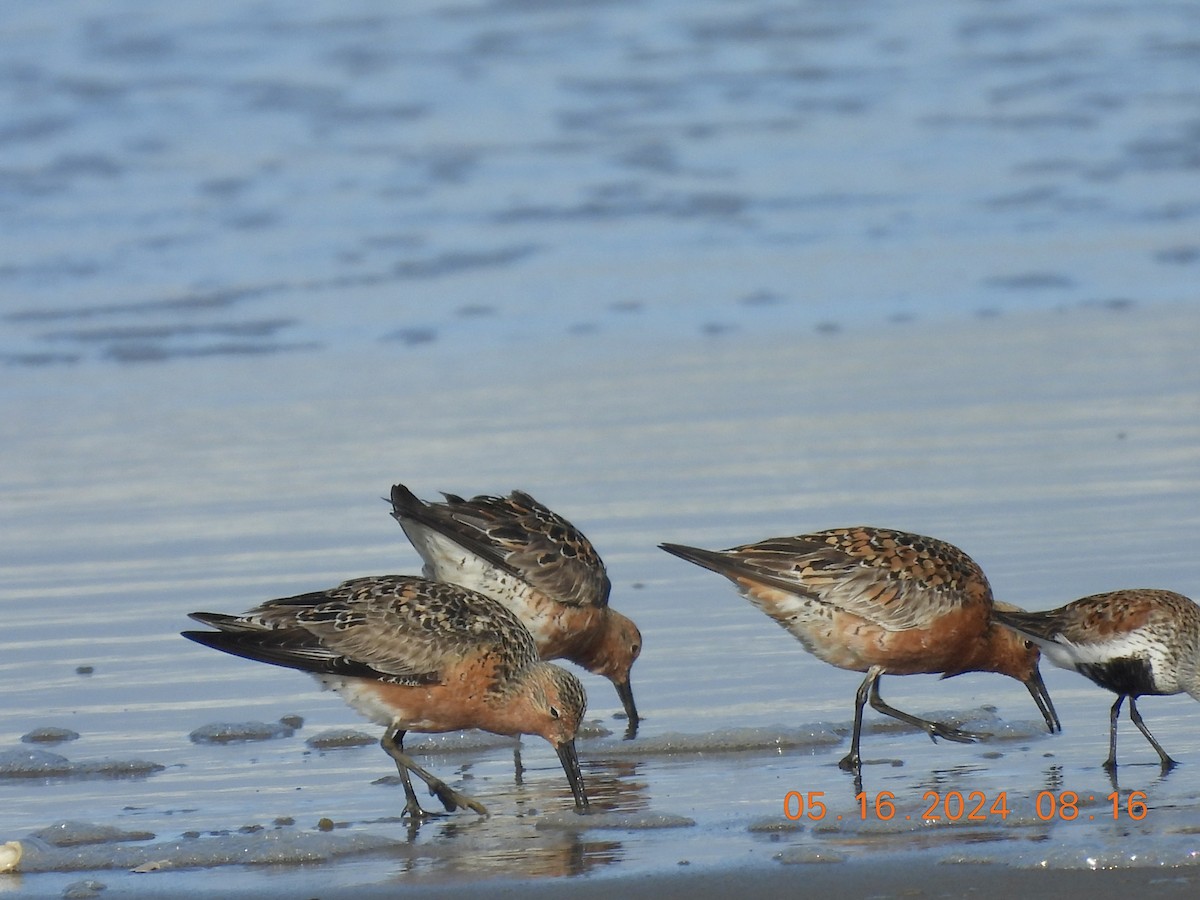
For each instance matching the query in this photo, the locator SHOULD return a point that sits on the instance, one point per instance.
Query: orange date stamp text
(972, 806)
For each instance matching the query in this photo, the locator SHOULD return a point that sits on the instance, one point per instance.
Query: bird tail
(1039, 625)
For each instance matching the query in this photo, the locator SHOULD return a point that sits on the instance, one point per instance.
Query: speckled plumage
(1132, 642)
(518, 534)
(535, 562)
(416, 655)
(880, 601)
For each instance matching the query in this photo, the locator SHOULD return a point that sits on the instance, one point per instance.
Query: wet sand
(1039, 442)
(892, 879)
(896, 878)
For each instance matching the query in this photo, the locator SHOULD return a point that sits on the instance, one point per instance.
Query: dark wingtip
(403, 501)
(707, 559)
(1003, 618)
(207, 618)
(207, 638)
(1036, 626)
(681, 550)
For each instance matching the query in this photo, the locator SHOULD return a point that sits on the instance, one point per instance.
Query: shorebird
(885, 603)
(1132, 642)
(539, 565)
(415, 655)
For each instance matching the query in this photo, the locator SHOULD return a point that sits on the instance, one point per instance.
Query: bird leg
(852, 761)
(412, 808)
(1167, 762)
(935, 730)
(518, 765)
(1110, 764)
(393, 745)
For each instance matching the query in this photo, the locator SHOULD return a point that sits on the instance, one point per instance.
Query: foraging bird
(1132, 642)
(881, 602)
(416, 655)
(536, 563)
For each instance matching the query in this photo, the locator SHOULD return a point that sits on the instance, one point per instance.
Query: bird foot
(1166, 764)
(938, 730)
(452, 799)
(416, 815)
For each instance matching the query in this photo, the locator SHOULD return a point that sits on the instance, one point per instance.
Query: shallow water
(228, 178)
(687, 272)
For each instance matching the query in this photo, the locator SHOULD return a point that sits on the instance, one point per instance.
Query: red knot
(416, 655)
(885, 603)
(539, 565)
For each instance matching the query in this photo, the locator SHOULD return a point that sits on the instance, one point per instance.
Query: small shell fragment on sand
(10, 856)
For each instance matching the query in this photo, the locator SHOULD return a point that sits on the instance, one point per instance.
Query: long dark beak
(625, 692)
(570, 764)
(1037, 689)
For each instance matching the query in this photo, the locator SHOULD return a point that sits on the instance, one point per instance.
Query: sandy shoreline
(1006, 429)
(868, 879)
(891, 879)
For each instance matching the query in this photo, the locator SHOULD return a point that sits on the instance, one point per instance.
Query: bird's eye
(554, 713)
(1029, 645)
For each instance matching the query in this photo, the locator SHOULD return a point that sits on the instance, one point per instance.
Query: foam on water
(280, 846)
(22, 763)
(335, 739)
(49, 734)
(729, 740)
(572, 821)
(228, 732)
(75, 834)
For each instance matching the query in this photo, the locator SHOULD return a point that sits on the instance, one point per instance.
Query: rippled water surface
(695, 272)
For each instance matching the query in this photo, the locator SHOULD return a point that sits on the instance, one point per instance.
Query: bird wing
(400, 628)
(516, 534)
(893, 579)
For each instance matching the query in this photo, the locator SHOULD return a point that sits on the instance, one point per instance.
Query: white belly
(363, 699)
